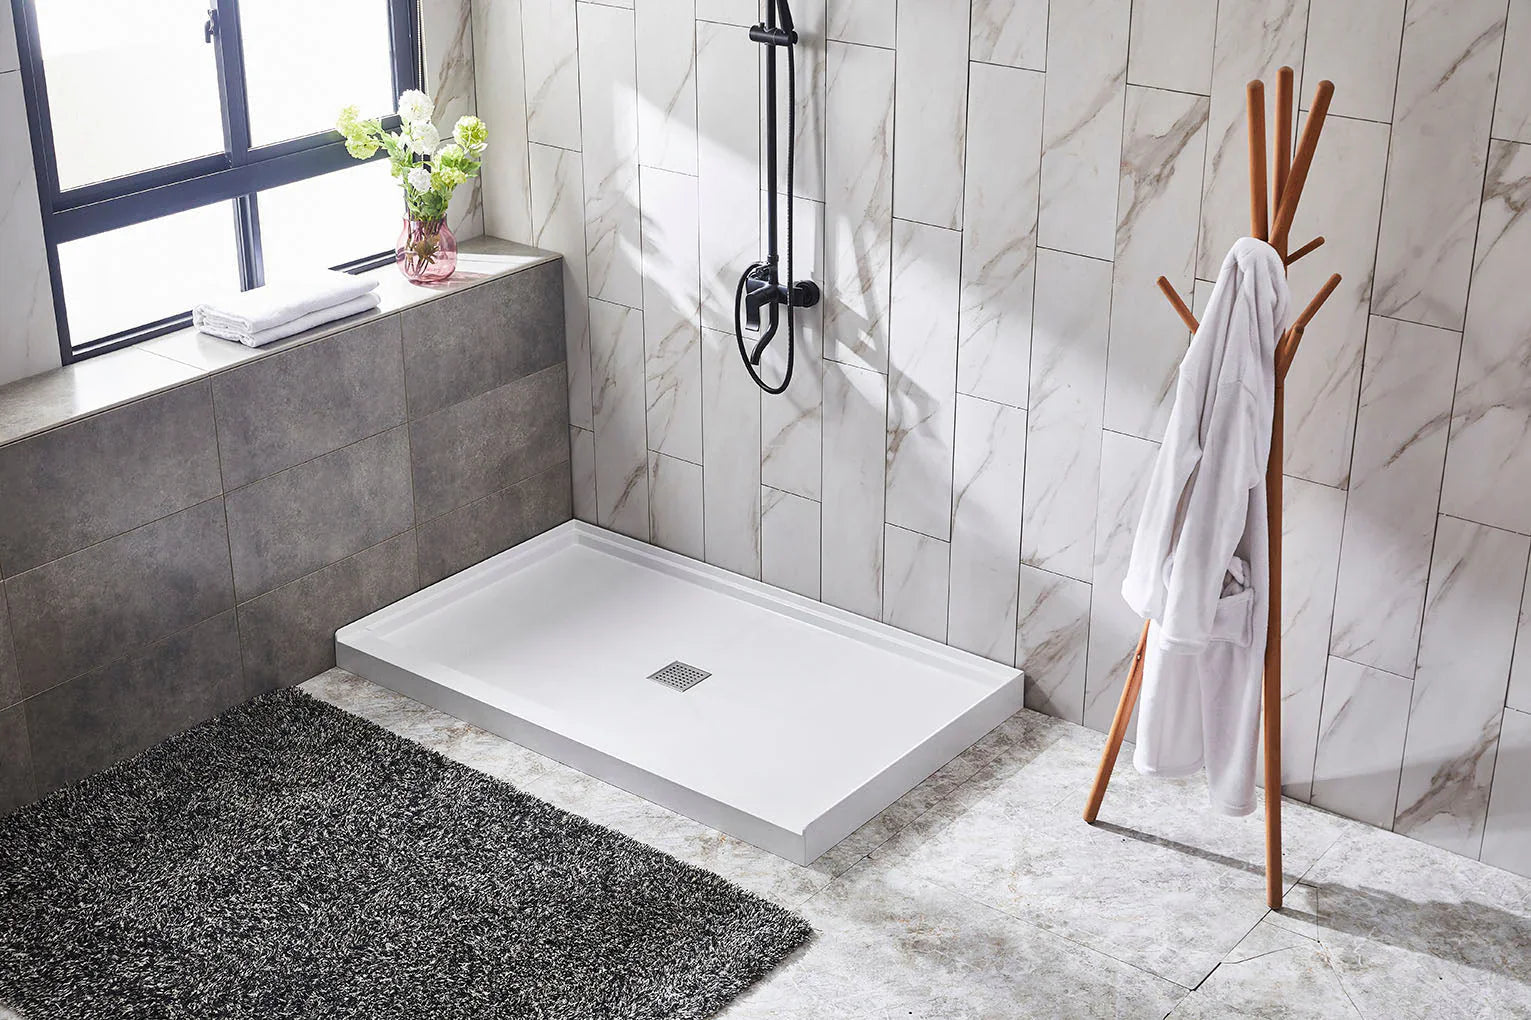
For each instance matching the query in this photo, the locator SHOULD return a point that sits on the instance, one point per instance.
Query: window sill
(46, 401)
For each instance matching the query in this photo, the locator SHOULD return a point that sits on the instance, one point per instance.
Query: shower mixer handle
(761, 288)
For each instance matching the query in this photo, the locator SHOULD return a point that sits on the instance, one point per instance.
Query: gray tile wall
(987, 190)
(182, 553)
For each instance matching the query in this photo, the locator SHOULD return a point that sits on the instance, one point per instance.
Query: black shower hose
(750, 358)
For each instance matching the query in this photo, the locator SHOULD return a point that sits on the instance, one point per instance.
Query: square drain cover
(680, 675)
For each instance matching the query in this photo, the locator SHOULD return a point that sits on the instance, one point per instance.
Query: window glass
(305, 60)
(132, 85)
(135, 275)
(330, 220)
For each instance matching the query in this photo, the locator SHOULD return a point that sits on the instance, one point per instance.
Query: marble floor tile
(1415, 931)
(938, 954)
(981, 894)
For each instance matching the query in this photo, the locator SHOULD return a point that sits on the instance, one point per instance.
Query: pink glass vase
(426, 251)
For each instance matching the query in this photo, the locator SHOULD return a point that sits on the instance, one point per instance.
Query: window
(185, 147)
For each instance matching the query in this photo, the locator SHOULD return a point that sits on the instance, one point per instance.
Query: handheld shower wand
(761, 285)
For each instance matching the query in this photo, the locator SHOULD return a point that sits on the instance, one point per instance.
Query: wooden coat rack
(1291, 174)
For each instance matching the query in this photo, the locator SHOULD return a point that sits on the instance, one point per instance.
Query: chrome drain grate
(680, 676)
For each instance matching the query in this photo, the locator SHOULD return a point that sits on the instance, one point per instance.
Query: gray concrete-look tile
(74, 486)
(493, 440)
(78, 612)
(289, 633)
(296, 405)
(107, 714)
(473, 533)
(62, 395)
(307, 517)
(16, 786)
(490, 335)
(10, 679)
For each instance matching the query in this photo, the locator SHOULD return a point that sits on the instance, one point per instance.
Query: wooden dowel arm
(1259, 212)
(1286, 350)
(1307, 249)
(1302, 162)
(1285, 78)
(1180, 309)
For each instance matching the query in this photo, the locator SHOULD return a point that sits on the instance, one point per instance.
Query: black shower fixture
(761, 285)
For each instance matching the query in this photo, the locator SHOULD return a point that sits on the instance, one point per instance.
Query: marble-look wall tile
(986, 527)
(1512, 109)
(1312, 521)
(1354, 43)
(1052, 638)
(672, 329)
(1172, 43)
(1507, 833)
(915, 590)
(789, 541)
(858, 203)
(1476, 578)
(447, 29)
(609, 113)
(1125, 464)
(621, 460)
(582, 467)
(1010, 32)
(1360, 743)
(930, 97)
(1068, 371)
(810, 139)
(28, 332)
(855, 469)
(1164, 141)
(675, 505)
(10, 60)
(1254, 38)
(1004, 151)
(1520, 673)
(731, 451)
(1342, 201)
(729, 12)
(922, 376)
(550, 55)
(1082, 125)
(666, 48)
(1441, 118)
(499, 88)
(1400, 450)
(558, 224)
(728, 166)
(792, 423)
(1488, 463)
(869, 22)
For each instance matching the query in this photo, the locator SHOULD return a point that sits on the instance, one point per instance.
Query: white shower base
(812, 722)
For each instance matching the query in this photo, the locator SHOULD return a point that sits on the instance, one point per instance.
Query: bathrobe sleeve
(1215, 515)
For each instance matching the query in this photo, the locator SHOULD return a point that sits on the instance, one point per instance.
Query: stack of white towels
(258, 317)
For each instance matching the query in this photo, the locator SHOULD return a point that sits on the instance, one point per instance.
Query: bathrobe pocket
(1234, 620)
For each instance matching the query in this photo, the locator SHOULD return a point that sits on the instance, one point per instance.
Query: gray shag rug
(288, 859)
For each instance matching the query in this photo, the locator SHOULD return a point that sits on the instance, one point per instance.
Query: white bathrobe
(1199, 567)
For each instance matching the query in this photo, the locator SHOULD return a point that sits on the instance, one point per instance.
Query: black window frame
(236, 174)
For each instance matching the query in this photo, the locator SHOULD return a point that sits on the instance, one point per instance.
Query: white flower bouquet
(428, 169)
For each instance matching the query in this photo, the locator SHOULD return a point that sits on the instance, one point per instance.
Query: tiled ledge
(41, 402)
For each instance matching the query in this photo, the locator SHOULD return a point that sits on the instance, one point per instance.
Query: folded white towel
(355, 306)
(278, 303)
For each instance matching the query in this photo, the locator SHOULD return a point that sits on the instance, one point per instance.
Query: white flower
(423, 137)
(414, 107)
(420, 179)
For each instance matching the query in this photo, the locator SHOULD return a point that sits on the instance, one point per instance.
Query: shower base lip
(813, 721)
